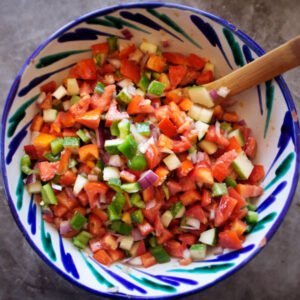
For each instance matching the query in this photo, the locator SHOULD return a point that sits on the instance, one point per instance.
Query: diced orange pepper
(174, 95)
(90, 119)
(37, 123)
(148, 260)
(162, 174)
(43, 140)
(163, 78)
(167, 127)
(185, 104)
(88, 152)
(102, 257)
(185, 168)
(66, 119)
(156, 63)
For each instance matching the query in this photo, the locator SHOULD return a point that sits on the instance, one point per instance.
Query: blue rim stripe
(242, 36)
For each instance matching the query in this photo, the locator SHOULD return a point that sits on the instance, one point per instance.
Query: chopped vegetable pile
(131, 157)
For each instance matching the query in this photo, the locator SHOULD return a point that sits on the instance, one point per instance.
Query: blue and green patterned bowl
(267, 108)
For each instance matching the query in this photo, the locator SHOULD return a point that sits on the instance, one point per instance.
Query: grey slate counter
(24, 24)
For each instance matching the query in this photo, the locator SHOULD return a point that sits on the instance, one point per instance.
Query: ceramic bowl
(267, 108)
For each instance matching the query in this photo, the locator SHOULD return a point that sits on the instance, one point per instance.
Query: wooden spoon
(266, 67)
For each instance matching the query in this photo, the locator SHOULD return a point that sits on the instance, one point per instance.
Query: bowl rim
(246, 39)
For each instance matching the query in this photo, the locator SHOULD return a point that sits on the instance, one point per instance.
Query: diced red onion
(155, 132)
(242, 123)
(136, 234)
(218, 129)
(150, 204)
(214, 95)
(92, 177)
(103, 206)
(193, 222)
(56, 186)
(223, 91)
(186, 253)
(115, 161)
(64, 227)
(127, 34)
(139, 138)
(136, 261)
(105, 157)
(102, 198)
(147, 179)
(30, 179)
(197, 157)
(46, 211)
(100, 136)
(165, 43)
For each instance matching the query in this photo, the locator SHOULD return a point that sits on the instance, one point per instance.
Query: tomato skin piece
(131, 70)
(174, 248)
(80, 107)
(84, 69)
(153, 156)
(224, 210)
(175, 58)
(47, 170)
(205, 77)
(250, 147)
(148, 260)
(66, 201)
(249, 191)
(138, 105)
(141, 249)
(176, 74)
(167, 127)
(229, 239)
(257, 174)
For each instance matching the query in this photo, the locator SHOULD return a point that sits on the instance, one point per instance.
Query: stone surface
(274, 274)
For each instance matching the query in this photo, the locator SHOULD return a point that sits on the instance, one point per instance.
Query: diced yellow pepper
(126, 218)
(43, 140)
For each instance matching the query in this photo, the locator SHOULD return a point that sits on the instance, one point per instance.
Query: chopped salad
(131, 156)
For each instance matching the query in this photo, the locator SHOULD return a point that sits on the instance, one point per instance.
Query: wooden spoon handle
(266, 67)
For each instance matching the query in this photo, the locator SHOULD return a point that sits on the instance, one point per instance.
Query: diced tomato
(212, 136)
(197, 212)
(151, 213)
(148, 260)
(141, 248)
(114, 114)
(195, 61)
(229, 239)
(181, 146)
(162, 174)
(205, 77)
(162, 112)
(124, 53)
(100, 48)
(64, 161)
(80, 107)
(190, 77)
(240, 210)
(176, 74)
(224, 210)
(174, 187)
(203, 175)
(222, 167)
(34, 152)
(257, 174)
(175, 58)
(48, 87)
(85, 69)
(93, 190)
(250, 147)
(103, 257)
(86, 87)
(167, 127)
(174, 248)
(234, 145)
(145, 228)
(116, 255)
(218, 112)
(66, 201)
(185, 261)
(90, 119)
(153, 156)
(47, 103)
(175, 95)
(95, 226)
(249, 191)
(67, 179)
(164, 237)
(37, 123)
(190, 197)
(177, 115)
(187, 183)
(131, 70)
(205, 198)
(47, 170)
(156, 63)
(187, 239)
(102, 215)
(238, 226)
(138, 105)
(103, 101)
(59, 210)
(185, 168)
(230, 117)
(66, 119)
(88, 152)
(164, 142)
(148, 194)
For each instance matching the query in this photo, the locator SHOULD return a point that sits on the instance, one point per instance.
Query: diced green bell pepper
(50, 157)
(116, 206)
(26, 165)
(136, 200)
(48, 195)
(83, 136)
(160, 254)
(137, 163)
(131, 187)
(156, 88)
(252, 217)
(137, 217)
(71, 142)
(81, 240)
(112, 43)
(115, 184)
(57, 146)
(114, 129)
(219, 189)
(99, 88)
(124, 128)
(230, 182)
(78, 221)
(120, 227)
(128, 147)
(123, 96)
(143, 83)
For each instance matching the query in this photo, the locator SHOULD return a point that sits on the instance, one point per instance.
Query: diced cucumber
(48, 195)
(143, 129)
(136, 200)
(160, 254)
(99, 88)
(84, 136)
(126, 242)
(60, 92)
(209, 237)
(49, 115)
(201, 128)
(81, 240)
(219, 189)
(148, 47)
(252, 217)
(208, 147)
(34, 187)
(177, 210)
(110, 173)
(115, 184)
(114, 129)
(200, 113)
(124, 96)
(156, 88)
(166, 218)
(111, 146)
(243, 166)
(72, 86)
(131, 187)
(172, 162)
(79, 184)
(71, 142)
(237, 133)
(226, 126)
(198, 251)
(143, 83)
(200, 95)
